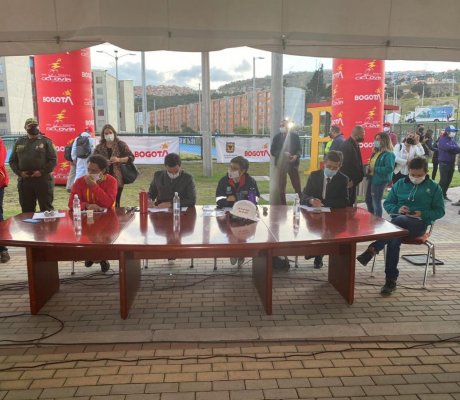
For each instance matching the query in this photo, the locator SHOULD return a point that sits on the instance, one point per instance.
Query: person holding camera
(404, 152)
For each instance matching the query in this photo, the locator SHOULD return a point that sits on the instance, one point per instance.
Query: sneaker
(105, 266)
(4, 256)
(88, 263)
(233, 260)
(240, 261)
(457, 203)
(317, 265)
(367, 256)
(388, 288)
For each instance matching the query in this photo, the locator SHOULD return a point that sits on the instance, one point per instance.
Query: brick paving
(202, 334)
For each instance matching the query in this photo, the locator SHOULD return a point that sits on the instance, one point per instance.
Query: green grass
(206, 186)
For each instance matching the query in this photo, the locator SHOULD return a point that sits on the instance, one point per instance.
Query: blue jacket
(426, 197)
(384, 167)
(447, 149)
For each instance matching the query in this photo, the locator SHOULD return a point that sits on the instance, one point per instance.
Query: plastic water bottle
(76, 208)
(252, 195)
(77, 228)
(296, 208)
(176, 204)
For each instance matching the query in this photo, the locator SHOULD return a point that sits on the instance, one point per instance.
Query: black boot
(388, 288)
(367, 256)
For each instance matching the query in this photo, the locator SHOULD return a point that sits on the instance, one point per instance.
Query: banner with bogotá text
(253, 148)
(357, 98)
(151, 150)
(65, 101)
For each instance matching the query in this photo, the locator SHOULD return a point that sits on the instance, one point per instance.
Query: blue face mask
(329, 173)
(377, 144)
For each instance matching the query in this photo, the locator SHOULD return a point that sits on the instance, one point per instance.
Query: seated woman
(413, 203)
(236, 185)
(96, 190)
(326, 187)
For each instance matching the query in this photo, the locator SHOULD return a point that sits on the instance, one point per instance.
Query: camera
(410, 140)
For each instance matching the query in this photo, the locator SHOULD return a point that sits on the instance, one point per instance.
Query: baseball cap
(30, 122)
(387, 124)
(89, 129)
(450, 128)
(244, 209)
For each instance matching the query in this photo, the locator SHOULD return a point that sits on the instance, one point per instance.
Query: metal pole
(155, 116)
(206, 103)
(118, 91)
(276, 111)
(254, 105)
(145, 120)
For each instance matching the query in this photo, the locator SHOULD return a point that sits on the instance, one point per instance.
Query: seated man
(326, 188)
(170, 180)
(96, 190)
(414, 202)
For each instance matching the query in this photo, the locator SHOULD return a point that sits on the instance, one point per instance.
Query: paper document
(317, 209)
(104, 210)
(49, 214)
(159, 210)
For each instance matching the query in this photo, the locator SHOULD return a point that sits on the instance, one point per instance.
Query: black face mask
(33, 131)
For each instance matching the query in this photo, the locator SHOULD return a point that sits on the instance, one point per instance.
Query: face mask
(329, 173)
(416, 181)
(377, 144)
(95, 177)
(33, 131)
(283, 129)
(173, 176)
(110, 137)
(451, 134)
(360, 139)
(233, 174)
(386, 129)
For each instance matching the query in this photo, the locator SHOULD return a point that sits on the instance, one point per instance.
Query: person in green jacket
(380, 172)
(413, 203)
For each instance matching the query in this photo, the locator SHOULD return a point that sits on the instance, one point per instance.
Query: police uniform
(29, 155)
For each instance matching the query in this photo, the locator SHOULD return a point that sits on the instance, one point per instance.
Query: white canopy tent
(383, 29)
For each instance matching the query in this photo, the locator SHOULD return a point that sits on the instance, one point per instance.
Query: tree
(316, 88)
(421, 89)
(242, 130)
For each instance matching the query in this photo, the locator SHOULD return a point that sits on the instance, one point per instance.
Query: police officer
(33, 159)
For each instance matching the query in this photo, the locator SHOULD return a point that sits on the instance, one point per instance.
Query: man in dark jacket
(326, 188)
(352, 165)
(286, 149)
(172, 179)
(447, 150)
(337, 138)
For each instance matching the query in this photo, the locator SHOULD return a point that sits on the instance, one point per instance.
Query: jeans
(446, 172)
(2, 193)
(416, 228)
(374, 195)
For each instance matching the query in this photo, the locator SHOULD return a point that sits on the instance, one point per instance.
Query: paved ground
(200, 334)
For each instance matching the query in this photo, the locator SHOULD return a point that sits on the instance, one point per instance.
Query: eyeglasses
(51, 213)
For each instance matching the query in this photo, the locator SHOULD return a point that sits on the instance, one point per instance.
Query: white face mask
(173, 176)
(416, 180)
(110, 137)
(233, 174)
(283, 129)
(95, 177)
(386, 129)
(451, 134)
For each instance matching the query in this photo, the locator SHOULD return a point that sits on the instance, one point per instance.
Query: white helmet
(243, 232)
(244, 209)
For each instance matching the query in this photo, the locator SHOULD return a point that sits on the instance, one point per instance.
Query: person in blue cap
(447, 150)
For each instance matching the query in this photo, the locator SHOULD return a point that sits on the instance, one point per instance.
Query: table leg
(262, 278)
(43, 278)
(341, 272)
(130, 276)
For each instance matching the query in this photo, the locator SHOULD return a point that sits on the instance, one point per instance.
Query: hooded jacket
(447, 150)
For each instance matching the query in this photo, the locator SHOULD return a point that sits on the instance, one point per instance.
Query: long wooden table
(130, 237)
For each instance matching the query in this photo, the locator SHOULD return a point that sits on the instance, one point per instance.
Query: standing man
(82, 147)
(33, 159)
(447, 150)
(337, 138)
(352, 162)
(286, 149)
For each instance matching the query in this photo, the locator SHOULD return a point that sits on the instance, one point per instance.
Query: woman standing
(117, 152)
(381, 167)
(405, 151)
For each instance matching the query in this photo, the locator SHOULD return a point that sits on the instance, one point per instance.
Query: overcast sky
(184, 69)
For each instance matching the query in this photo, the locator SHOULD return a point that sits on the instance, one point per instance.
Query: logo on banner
(65, 98)
(154, 153)
(54, 74)
(336, 100)
(229, 147)
(258, 153)
(88, 102)
(339, 120)
(59, 125)
(339, 73)
(369, 74)
(86, 75)
(369, 97)
(370, 121)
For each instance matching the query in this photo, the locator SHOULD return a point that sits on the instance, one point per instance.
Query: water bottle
(143, 202)
(296, 209)
(76, 208)
(176, 204)
(77, 228)
(252, 195)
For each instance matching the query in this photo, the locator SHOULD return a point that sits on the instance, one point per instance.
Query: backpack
(83, 147)
(68, 152)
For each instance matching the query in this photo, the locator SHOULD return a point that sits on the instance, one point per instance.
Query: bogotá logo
(338, 74)
(370, 121)
(163, 152)
(59, 124)
(369, 73)
(336, 99)
(258, 153)
(65, 98)
(338, 120)
(369, 97)
(55, 74)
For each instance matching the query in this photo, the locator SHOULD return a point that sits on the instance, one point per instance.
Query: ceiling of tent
(382, 29)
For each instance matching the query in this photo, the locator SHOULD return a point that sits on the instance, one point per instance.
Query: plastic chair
(430, 255)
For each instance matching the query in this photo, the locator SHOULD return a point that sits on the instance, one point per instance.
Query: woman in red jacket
(4, 255)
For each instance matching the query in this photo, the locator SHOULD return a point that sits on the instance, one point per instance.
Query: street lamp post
(116, 57)
(254, 97)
